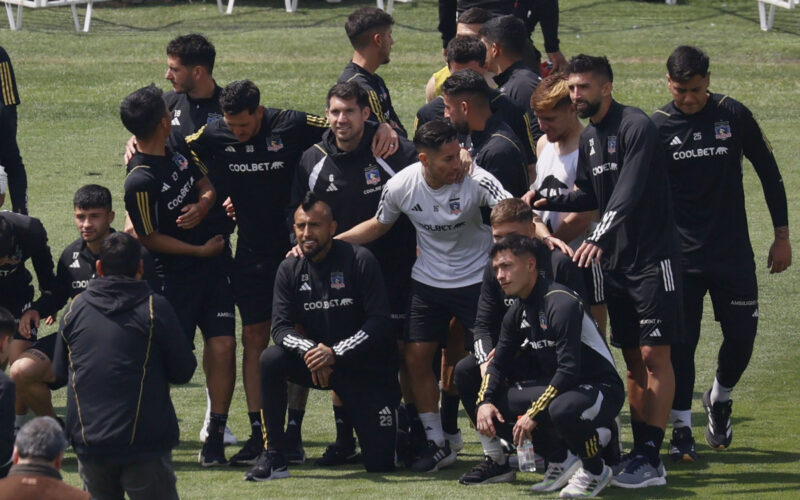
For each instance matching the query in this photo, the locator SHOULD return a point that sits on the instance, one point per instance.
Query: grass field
(70, 134)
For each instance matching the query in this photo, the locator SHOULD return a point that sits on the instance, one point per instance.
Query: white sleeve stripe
(312, 179)
(380, 205)
(480, 354)
(385, 166)
(601, 228)
(293, 341)
(350, 343)
(492, 188)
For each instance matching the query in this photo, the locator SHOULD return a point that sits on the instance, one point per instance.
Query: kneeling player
(336, 292)
(569, 408)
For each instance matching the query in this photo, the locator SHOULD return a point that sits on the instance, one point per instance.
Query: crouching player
(336, 293)
(569, 410)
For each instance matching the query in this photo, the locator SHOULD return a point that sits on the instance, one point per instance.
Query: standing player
(453, 244)
(167, 198)
(705, 136)
(342, 171)
(10, 159)
(621, 172)
(336, 293)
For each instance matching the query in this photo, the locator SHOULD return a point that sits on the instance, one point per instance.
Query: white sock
(20, 420)
(681, 418)
(604, 436)
(720, 393)
(433, 427)
(208, 405)
(492, 448)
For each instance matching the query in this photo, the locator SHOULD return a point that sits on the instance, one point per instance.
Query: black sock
(652, 443)
(344, 428)
(638, 430)
(255, 423)
(216, 425)
(593, 465)
(448, 412)
(293, 428)
(402, 418)
(415, 424)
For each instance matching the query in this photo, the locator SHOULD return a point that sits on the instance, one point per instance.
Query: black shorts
(17, 302)
(202, 298)
(431, 309)
(398, 289)
(253, 281)
(644, 307)
(593, 279)
(733, 289)
(46, 345)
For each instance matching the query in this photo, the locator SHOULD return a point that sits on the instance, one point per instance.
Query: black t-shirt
(704, 162)
(380, 102)
(498, 150)
(30, 242)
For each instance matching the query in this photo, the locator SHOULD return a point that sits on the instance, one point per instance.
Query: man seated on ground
(336, 293)
(8, 327)
(569, 408)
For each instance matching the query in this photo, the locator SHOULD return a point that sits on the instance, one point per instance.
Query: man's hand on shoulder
(385, 141)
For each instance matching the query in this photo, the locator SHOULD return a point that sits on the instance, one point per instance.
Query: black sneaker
(719, 432)
(488, 472)
(249, 452)
(434, 457)
(212, 454)
(295, 454)
(611, 453)
(682, 445)
(336, 454)
(270, 465)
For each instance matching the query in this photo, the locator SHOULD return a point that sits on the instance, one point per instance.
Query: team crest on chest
(455, 206)
(337, 280)
(181, 161)
(542, 320)
(612, 144)
(372, 175)
(722, 130)
(274, 143)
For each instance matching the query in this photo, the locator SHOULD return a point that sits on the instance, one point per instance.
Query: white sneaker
(585, 484)
(456, 441)
(557, 474)
(228, 440)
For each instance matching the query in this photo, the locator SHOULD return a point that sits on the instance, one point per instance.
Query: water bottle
(525, 456)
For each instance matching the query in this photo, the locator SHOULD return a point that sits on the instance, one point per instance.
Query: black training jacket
(380, 102)
(30, 242)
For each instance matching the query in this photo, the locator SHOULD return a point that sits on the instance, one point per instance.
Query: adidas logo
(656, 333)
(416, 208)
(755, 313)
(332, 188)
(164, 187)
(305, 287)
(385, 411)
(75, 265)
(292, 422)
(176, 122)
(230, 149)
(675, 141)
(650, 443)
(524, 324)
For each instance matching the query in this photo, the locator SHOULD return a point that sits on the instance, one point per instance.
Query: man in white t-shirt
(446, 278)
(557, 164)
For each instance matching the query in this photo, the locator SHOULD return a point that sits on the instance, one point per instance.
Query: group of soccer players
(474, 264)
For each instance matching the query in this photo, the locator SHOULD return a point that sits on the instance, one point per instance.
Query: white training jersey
(453, 241)
(555, 175)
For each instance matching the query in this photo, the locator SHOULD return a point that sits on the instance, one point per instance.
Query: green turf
(71, 85)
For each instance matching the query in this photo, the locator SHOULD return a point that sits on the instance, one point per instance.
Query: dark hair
(434, 134)
(8, 324)
(598, 65)
(120, 254)
(239, 96)
(511, 210)
(365, 22)
(475, 15)
(347, 91)
(685, 62)
(193, 50)
(142, 111)
(6, 238)
(92, 196)
(518, 245)
(464, 49)
(508, 32)
(310, 199)
(467, 82)
(41, 438)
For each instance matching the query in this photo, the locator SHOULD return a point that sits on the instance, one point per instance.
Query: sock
(432, 424)
(344, 428)
(255, 423)
(652, 443)
(603, 436)
(20, 420)
(638, 429)
(449, 412)
(216, 425)
(492, 448)
(415, 424)
(593, 465)
(294, 427)
(720, 393)
(681, 418)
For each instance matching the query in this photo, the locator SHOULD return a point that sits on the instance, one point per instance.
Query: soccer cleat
(682, 445)
(557, 474)
(250, 451)
(434, 457)
(612, 452)
(585, 484)
(640, 473)
(456, 441)
(624, 460)
(488, 472)
(295, 454)
(270, 465)
(212, 454)
(228, 440)
(719, 431)
(336, 454)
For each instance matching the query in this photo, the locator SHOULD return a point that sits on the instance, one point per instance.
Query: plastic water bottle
(525, 456)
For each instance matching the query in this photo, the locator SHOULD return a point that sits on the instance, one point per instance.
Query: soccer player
(370, 32)
(495, 147)
(570, 406)
(8, 327)
(10, 158)
(622, 173)
(705, 136)
(167, 197)
(556, 169)
(337, 294)
(453, 244)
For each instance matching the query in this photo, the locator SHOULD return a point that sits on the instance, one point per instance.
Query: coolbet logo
(175, 203)
(699, 153)
(327, 304)
(255, 167)
(605, 167)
